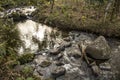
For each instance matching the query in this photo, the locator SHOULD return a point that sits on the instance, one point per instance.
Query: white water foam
(29, 30)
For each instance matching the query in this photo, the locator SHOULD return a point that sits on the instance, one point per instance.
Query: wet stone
(61, 48)
(39, 59)
(95, 69)
(75, 54)
(67, 39)
(99, 49)
(57, 72)
(58, 57)
(68, 44)
(58, 63)
(45, 64)
(72, 76)
(54, 51)
(105, 66)
(74, 51)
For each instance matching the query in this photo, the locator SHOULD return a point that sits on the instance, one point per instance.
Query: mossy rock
(18, 16)
(45, 64)
(26, 58)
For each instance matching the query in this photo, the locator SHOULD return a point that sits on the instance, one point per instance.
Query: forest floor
(73, 16)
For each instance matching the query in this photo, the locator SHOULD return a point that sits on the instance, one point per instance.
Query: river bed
(45, 41)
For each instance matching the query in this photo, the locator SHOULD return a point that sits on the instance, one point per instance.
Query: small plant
(30, 78)
(25, 58)
(27, 70)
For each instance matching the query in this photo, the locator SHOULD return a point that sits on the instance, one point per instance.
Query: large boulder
(99, 49)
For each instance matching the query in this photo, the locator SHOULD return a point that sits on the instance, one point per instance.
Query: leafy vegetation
(96, 16)
(25, 58)
(9, 59)
(7, 4)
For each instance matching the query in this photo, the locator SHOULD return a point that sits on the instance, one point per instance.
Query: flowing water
(41, 40)
(61, 50)
(33, 35)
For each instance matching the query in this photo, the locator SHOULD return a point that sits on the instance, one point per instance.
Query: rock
(45, 73)
(99, 49)
(105, 66)
(74, 51)
(95, 69)
(67, 66)
(57, 72)
(54, 51)
(39, 59)
(75, 54)
(74, 75)
(17, 16)
(58, 57)
(67, 39)
(60, 48)
(45, 64)
(68, 44)
(58, 63)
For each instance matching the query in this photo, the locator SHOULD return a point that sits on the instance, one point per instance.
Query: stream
(58, 55)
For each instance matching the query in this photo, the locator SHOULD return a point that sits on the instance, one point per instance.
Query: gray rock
(59, 63)
(67, 44)
(45, 63)
(99, 49)
(59, 71)
(60, 48)
(75, 75)
(58, 57)
(39, 59)
(67, 39)
(105, 66)
(74, 51)
(95, 69)
(54, 51)
(76, 54)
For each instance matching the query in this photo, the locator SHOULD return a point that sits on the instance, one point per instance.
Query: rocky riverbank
(78, 56)
(67, 61)
(71, 55)
(18, 14)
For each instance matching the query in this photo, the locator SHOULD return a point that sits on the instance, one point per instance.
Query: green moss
(45, 64)
(20, 78)
(14, 63)
(27, 70)
(25, 58)
(30, 78)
